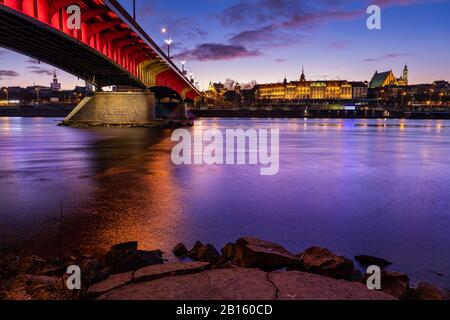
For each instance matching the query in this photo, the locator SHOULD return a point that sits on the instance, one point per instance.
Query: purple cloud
(340, 44)
(280, 60)
(216, 51)
(388, 56)
(4, 74)
(40, 71)
(403, 2)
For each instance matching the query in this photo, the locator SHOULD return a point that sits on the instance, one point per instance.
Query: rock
(204, 253)
(93, 277)
(208, 253)
(193, 253)
(126, 246)
(394, 283)
(32, 287)
(34, 265)
(366, 261)
(112, 282)
(54, 271)
(9, 266)
(426, 291)
(324, 262)
(125, 257)
(245, 284)
(165, 270)
(255, 253)
(93, 271)
(228, 251)
(224, 264)
(180, 250)
(93, 264)
(134, 260)
(229, 284)
(295, 285)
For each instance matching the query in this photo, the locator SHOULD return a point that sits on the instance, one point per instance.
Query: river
(377, 187)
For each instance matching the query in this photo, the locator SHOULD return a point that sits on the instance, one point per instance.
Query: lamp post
(134, 10)
(168, 41)
(7, 95)
(37, 94)
(431, 96)
(183, 63)
(403, 96)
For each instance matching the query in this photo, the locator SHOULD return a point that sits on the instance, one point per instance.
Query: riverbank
(249, 269)
(344, 114)
(40, 111)
(63, 111)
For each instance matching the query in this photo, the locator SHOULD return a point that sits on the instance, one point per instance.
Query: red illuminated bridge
(109, 49)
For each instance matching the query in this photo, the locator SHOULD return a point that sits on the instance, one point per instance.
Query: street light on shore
(37, 93)
(403, 96)
(7, 94)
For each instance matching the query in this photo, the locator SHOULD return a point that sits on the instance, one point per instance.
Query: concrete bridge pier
(114, 108)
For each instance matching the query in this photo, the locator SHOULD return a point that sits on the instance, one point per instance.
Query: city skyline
(234, 39)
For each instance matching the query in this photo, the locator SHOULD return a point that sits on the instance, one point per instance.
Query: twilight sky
(264, 40)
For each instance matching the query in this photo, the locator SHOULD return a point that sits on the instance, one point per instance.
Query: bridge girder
(121, 45)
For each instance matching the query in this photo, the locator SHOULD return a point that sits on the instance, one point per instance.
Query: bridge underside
(43, 43)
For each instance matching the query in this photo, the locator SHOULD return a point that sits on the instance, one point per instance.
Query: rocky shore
(249, 269)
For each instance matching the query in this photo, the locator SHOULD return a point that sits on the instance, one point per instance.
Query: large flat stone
(228, 284)
(296, 285)
(112, 282)
(245, 284)
(165, 270)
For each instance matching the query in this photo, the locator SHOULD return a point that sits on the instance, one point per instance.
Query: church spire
(302, 77)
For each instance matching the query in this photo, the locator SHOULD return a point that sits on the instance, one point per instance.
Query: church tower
(302, 77)
(55, 85)
(405, 74)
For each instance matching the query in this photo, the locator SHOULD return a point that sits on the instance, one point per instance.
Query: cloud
(340, 44)
(5, 74)
(216, 51)
(40, 71)
(404, 2)
(280, 60)
(32, 61)
(280, 23)
(388, 56)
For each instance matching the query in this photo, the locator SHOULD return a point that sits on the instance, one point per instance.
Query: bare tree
(250, 85)
(229, 84)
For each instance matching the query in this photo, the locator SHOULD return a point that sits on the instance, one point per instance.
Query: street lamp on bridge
(183, 63)
(168, 41)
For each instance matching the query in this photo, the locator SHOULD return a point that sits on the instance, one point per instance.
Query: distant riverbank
(55, 111)
(51, 111)
(350, 114)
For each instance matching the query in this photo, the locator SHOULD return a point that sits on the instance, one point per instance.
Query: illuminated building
(385, 79)
(215, 91)
(55, 85)
(305, 90)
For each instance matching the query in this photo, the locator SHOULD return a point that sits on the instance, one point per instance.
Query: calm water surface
(354, 186)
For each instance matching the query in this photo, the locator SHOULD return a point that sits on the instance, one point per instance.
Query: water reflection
(378, 187)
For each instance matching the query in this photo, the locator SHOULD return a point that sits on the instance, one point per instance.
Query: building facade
(387, 78)
(311, 90)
